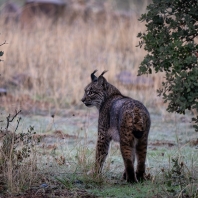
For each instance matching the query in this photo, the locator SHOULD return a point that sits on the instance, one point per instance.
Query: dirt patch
(56, 135)
(161, 143)
(194, 142)
(62, 135)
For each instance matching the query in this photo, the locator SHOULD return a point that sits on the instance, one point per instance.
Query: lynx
(121, 119)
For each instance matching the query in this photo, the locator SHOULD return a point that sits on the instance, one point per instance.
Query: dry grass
(18, 160)
(58, 59)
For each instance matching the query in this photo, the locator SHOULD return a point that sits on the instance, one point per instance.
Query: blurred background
(52, 47)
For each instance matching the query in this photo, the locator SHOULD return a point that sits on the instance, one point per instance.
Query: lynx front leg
(101, 152)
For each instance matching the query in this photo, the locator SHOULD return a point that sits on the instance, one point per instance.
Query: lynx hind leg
(141, 151)
(128, 154)
(127, 146)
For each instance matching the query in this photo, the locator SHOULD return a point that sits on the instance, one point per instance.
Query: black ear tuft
(93, 77)
(104, 72)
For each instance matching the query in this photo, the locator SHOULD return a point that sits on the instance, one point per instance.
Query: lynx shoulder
(121, 119)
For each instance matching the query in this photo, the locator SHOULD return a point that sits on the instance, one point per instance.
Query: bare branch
(11, 119)
(18, 121)
(3, 43)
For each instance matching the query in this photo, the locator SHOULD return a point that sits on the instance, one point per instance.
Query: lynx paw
(129, 179)
(140, 176)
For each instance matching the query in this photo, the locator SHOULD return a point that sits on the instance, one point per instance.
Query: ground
(65, 153)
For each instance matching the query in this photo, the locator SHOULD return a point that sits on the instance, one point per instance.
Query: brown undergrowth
(17, 156)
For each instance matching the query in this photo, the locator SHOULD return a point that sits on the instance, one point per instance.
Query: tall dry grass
(59, 58)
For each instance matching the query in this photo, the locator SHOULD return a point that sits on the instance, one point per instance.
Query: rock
(43, 185)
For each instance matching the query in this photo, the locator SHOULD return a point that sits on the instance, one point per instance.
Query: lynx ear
(102, 81)
(103, 72)
(93, 77)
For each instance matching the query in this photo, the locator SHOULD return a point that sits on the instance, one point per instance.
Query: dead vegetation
(17, 156)
(50, 62)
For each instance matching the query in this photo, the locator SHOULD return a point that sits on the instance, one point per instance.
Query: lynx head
(97, 91)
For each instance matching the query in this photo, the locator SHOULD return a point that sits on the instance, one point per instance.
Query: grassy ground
(66, 152)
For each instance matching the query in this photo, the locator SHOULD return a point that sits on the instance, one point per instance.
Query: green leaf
(1, 53)
(169, 40)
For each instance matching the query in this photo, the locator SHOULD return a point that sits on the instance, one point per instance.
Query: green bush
(179, 180)
(170, 40)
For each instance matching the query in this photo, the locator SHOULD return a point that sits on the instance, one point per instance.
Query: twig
(3, 43)
(18, 121)
(10, 120)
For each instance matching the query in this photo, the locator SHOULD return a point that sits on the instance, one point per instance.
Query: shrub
(170, 40)
(179, 180)
(17, 156)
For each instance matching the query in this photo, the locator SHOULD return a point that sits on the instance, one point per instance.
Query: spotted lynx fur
(121, 119)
